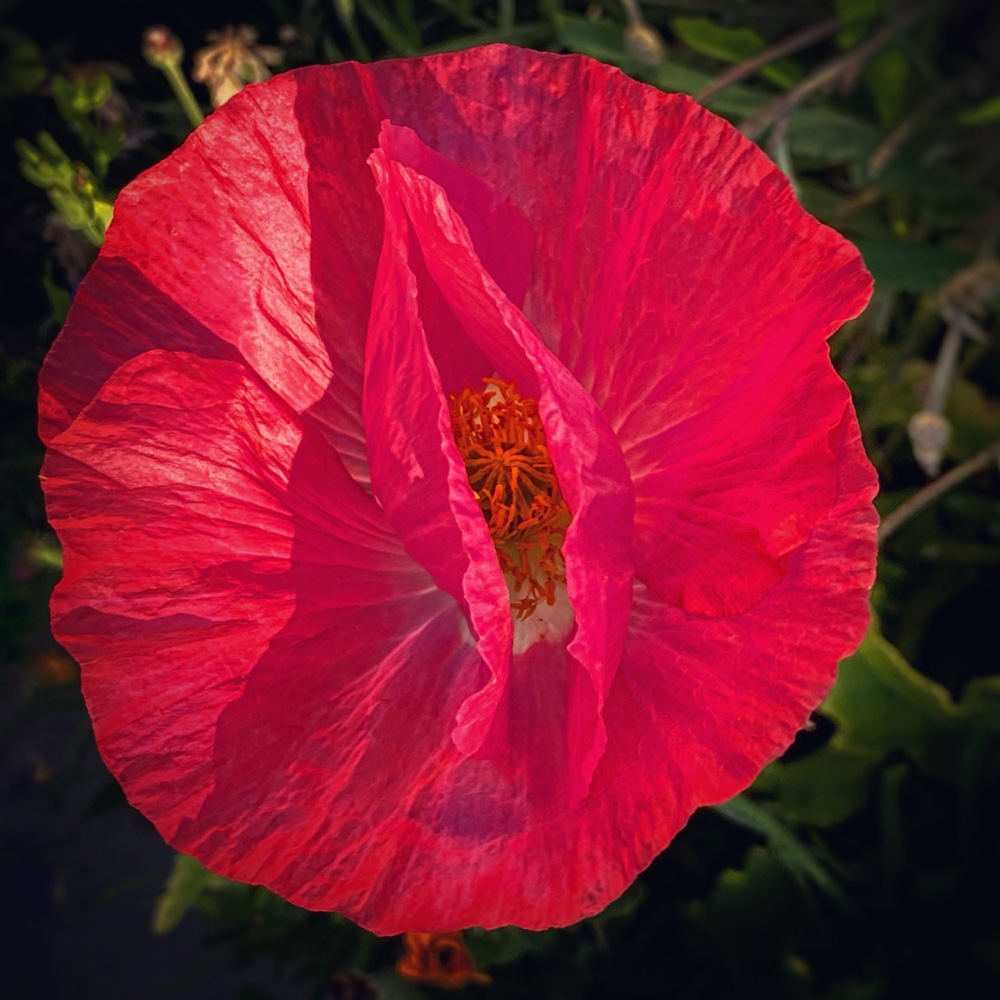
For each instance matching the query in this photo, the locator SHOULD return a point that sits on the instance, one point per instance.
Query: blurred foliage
(865, 863)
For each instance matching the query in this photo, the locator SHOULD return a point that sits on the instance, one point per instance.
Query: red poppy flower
(425, 649)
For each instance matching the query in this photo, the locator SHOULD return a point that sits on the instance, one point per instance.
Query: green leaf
(880, 704)
(974, 416)
(979, 709)
(889, 78)
(800, 861)
(822, 789)
(753, 909)
(75, 210)
(186, 884)
(392, 33)
(826, 138)
(605, 40)
(23, 68)
(59, 298)
(507, 944)
(345, 10)
(733, 45)
(602, 40)
(856, 17)
(945, 196)
(909, 267)
(45, 165)
(982, 114)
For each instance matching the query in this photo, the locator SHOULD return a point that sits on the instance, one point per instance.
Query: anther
(502, 441)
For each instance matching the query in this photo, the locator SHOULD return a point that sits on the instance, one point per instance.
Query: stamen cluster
(502, 441)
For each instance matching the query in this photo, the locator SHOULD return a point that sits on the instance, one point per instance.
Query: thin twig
(904, 130)
(933, 490)
(793, 43)
(835, 69)
(944, 369)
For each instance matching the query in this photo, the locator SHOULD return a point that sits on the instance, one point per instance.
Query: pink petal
(195, 508)
(586, 456)
(418, 475)
(234, 261)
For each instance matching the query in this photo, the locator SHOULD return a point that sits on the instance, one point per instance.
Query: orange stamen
(502, 441)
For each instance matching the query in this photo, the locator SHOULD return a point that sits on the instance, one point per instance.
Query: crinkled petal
(220, 236)
(417, 473)
(585, 454)
(759, 479)
(635, 196)
(761, 693)
(194, 507)
(484, 838)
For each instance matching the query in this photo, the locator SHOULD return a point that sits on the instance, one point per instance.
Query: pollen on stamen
(502, 441)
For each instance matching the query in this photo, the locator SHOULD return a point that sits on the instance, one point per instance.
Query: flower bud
(161, 47)
(929, 434)
(645, 44)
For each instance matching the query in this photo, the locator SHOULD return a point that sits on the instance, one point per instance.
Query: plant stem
(793, 43)
(933, 490)
(833, 71)
(182, 91)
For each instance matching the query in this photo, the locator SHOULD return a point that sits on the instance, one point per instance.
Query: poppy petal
(762, 694)
(419, 476)
(586, 456)
(239, 269)
(193, 467)
(759, 482)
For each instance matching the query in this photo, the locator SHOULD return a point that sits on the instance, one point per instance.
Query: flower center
(502, 441)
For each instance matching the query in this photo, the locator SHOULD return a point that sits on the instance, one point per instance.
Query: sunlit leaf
(823, 788)
(880, 704)
(982, 114)
(800, 861)
(187, 882)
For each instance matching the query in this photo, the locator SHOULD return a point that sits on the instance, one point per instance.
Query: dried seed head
(232, 60)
